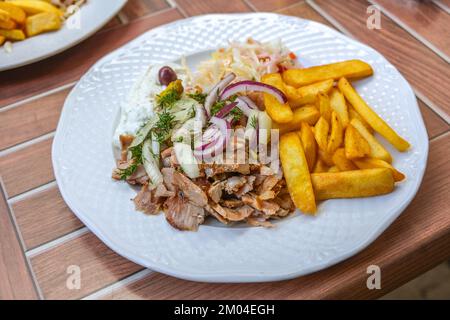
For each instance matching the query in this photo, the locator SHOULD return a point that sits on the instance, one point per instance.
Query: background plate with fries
(298, 245)
(92, 16)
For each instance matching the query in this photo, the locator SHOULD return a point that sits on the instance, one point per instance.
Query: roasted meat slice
(147, 201)
(183, 214)
(189, 189)
(238, 214)
(215, 191)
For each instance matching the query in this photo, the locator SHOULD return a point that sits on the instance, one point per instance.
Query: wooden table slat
(52, 221)
(99, 267)
(31, 120)
(425, 70)
(27, 168)
(138, 8)
(15, 279)
(193, 8)
(272, 5)
(425, 18)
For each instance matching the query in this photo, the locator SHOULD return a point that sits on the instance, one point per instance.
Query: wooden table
(40, 237)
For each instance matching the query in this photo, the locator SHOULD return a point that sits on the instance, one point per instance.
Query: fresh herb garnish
(163, 126)
(136, 160)
(253, 121)
(179, 139)
(198, 96)
(170, 95)
(236, 113)
(217, 106)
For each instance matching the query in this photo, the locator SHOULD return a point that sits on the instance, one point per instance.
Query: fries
(296, 172)
(376, 149)
(307, 94)
(352, 69)
(342, 162)
(321, 133)
(355, 145)
(352, 184)
(280, 113)
(333, 152)
(371, 117)
(309, 144)
(369, 163)
(308, 114)
(336, 136)
(42, 22)
(337, 103)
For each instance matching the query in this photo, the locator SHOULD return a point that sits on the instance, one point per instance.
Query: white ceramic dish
(83, 159)
(92, 16)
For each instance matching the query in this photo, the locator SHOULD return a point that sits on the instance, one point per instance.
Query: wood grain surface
(425, 18)
(416, 241)
(53, 219)
(15, 278)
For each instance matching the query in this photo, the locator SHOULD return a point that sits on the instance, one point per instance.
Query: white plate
(92, 16)
(83, 159)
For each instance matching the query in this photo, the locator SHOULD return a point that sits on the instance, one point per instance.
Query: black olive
(166, 75)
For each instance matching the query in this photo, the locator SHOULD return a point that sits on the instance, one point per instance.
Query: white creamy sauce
(138, 107)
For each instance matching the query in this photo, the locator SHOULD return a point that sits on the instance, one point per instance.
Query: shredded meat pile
(251, 193)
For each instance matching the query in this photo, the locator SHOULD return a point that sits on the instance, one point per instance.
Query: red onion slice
(214, 147)
(226, 110)
(214, 92)
(248, 85)
(245, 107)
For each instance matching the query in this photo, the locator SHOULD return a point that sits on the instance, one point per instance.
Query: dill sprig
(163, 126)
(136, 160)
(253, 121)
(198, 96)
(170, 95)
(236, 113)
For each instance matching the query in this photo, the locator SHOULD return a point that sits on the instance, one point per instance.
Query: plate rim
(242, 277)
(27, 61)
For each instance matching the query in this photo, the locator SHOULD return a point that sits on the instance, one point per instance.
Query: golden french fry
(338, 104)
(308, 114)
(325, 157)
(281, 113)
(8, 24)
(376, 149)
(296, 172)
(321, 133)
(309, 145)
(342, 162)
(323, 104)
(336, 135)
(352, 69)
(355, 144)
(352, 184)
(33, 7)
(355, 115)
(333, 169)
(15, 34)
(378, 124)
(42, 22)
(370, 163)
(2, 40)
(320, 166)
(307, 94)
(16, 13)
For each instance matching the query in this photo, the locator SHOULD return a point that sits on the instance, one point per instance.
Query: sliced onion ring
(248, 85)
(226, 110)
(214, 92)
(215, 146)
(245, 106)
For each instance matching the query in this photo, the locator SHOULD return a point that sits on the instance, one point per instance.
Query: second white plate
(93, 15)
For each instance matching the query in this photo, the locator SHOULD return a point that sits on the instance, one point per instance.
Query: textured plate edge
(240, 276)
